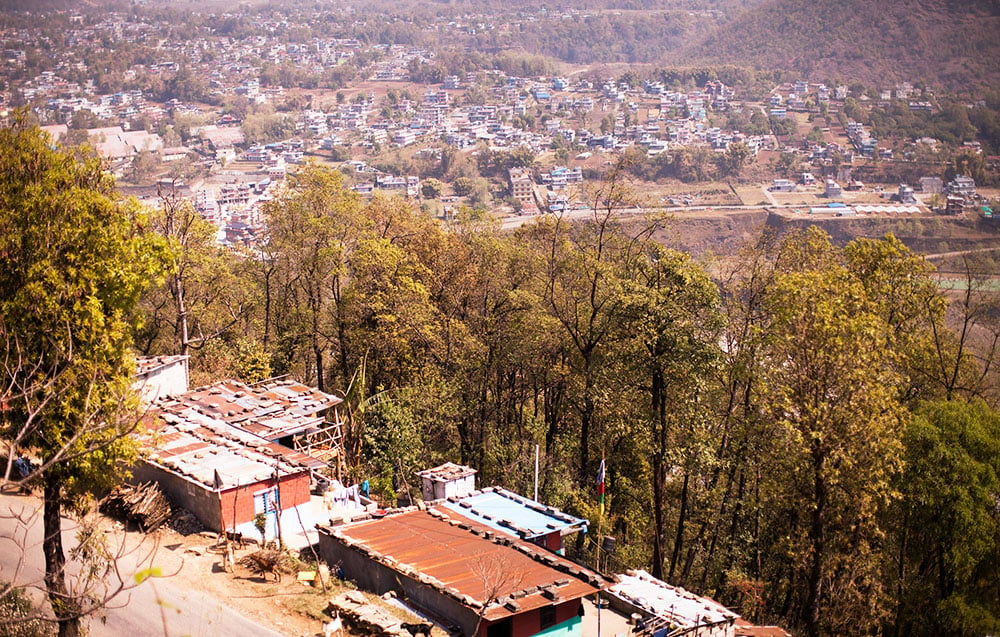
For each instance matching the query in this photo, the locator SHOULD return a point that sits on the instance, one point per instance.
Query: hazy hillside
(41, 6)
(943, 43)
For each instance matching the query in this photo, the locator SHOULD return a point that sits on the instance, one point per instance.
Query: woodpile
(144, 504)
(267, 561)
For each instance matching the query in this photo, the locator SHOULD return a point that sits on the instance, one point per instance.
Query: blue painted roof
(514, 514)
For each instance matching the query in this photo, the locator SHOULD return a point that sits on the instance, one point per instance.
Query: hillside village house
(453, 487)
(226, 476)
(481, 582)
(664, 610)
(229, 452)
(669, 610)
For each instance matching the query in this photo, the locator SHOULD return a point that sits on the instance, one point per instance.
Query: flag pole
(600, 501)
(536, 473)
(600, 531)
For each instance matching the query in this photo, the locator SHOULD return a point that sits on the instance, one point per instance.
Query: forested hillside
(805, 437)
(937, 42)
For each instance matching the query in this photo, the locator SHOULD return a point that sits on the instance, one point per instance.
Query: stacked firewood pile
(144, 504)
(267, 561)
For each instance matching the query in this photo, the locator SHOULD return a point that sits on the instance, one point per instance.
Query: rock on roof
(198, 446)
(270, 410)
(447, 472)
(672, 603)
(512, 513)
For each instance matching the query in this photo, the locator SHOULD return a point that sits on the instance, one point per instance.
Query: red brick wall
(553, 542)
(529, 623)
(293, 491)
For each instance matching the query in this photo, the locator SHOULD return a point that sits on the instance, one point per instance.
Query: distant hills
(954, 44)
(43, 6)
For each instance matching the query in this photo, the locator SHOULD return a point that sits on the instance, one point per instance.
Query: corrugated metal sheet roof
(468, 562)
(150, 364)
(514, 514)
(271, 411)
(197, 446)
(446, 472)
(746, 629)
(674, 604)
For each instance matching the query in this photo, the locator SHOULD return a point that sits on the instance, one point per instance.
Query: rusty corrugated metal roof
(271, 410)
(489, 572)
(197, 446)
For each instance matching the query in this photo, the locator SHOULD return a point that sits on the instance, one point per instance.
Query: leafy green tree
(671, 318)
(144, 166)
(73, 261)
(431, 188)
(949, 525)
(201, 298)
(829, 387)
(312, 227)
(580, 284)
(737, 156)
(463, 186)
(898, 282)
(264, 126)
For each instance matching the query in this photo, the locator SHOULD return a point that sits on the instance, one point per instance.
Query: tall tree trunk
(267, 306)
(317, 346)
(659, 523)
(320, 372)
(182, 317)
(64, 607)
(586, 420)
(681, 521)
(659, 471)
(817, 536)
(901, 572)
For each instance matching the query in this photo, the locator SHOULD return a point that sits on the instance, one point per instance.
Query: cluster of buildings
(484, 108)
(265, 459)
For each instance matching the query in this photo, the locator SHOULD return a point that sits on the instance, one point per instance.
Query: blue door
(267, 502)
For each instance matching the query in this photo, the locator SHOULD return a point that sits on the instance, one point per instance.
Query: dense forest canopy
(764, 429)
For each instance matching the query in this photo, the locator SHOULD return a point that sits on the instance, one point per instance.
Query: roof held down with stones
(492, 573)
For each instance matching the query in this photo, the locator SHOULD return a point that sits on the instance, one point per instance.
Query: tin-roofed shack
(485, 583)
(223, 474)
(256, 448)
(453, 487)
(516, 515)
(448, 480)
(669, 610)
(279, 411)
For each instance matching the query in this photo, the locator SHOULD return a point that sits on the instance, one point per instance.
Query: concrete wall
(441, 489)
(237, 503)
(572, 627)
(377, 578)
(530, 623)
(184, 492)
(169, 380)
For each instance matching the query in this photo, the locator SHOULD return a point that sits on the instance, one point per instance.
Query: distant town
(207, 117)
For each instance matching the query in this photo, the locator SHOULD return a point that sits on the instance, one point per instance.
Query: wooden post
(226, 557)
(277, 504)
